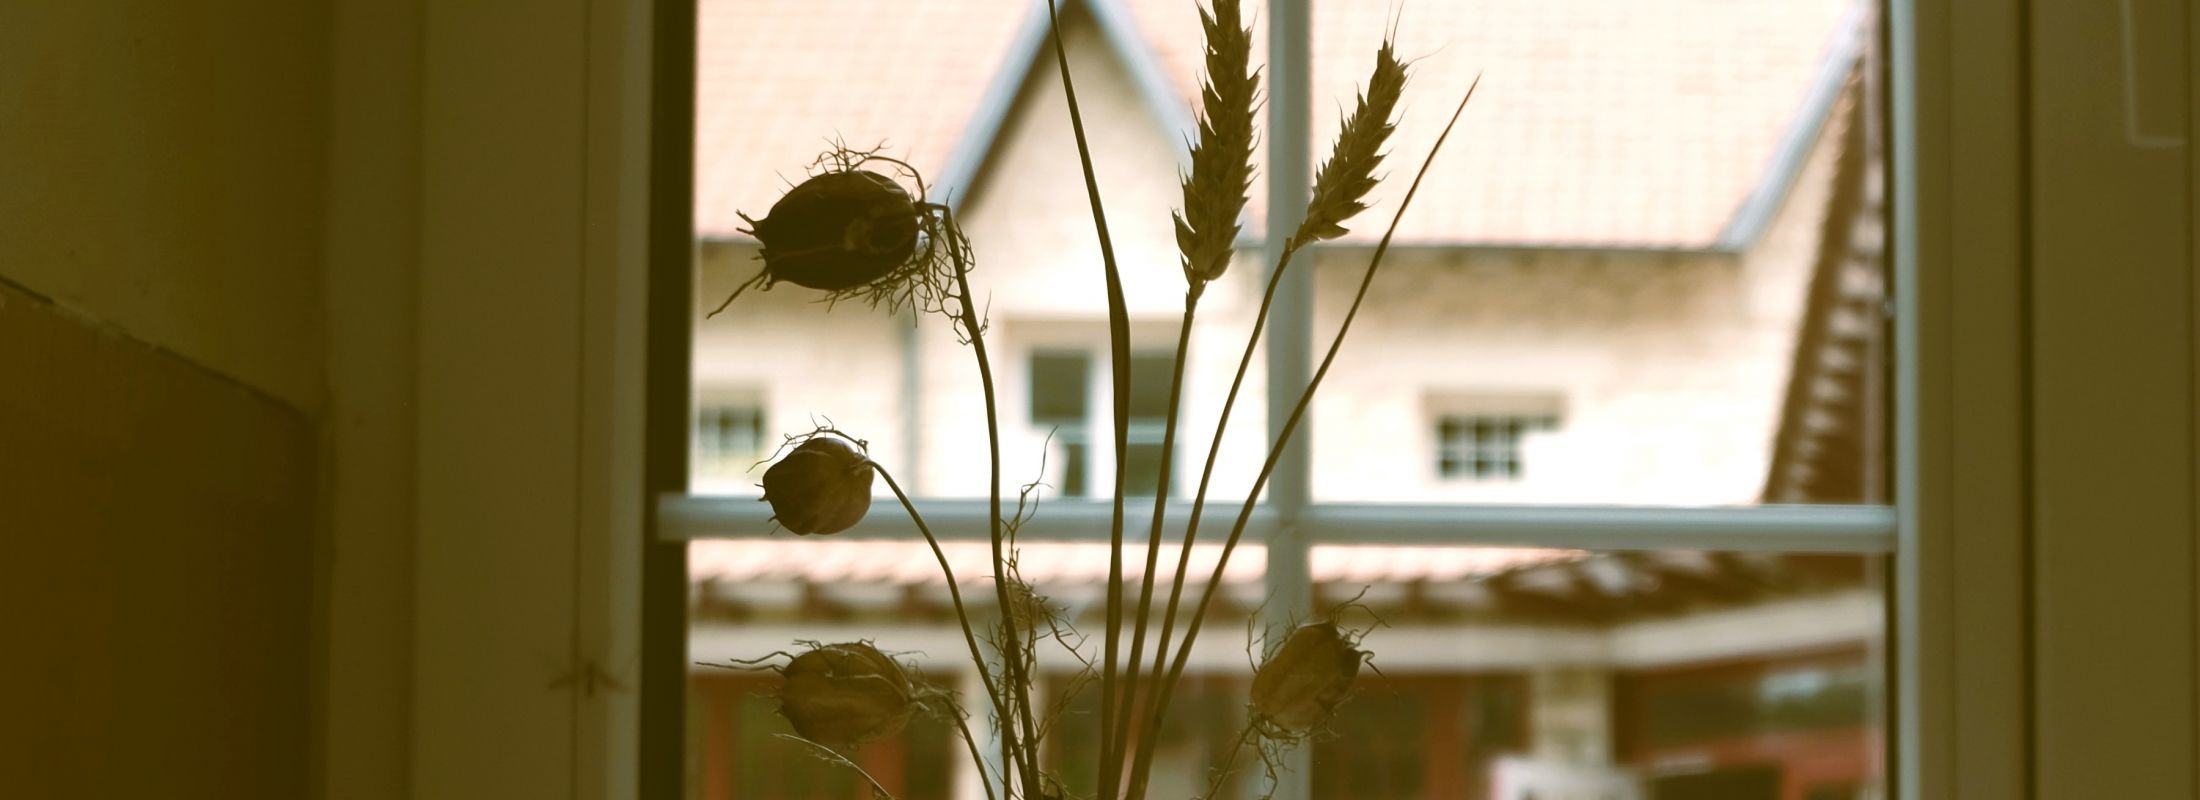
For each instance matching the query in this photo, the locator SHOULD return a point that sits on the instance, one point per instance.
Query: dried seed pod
(822, 487)
(1302, 683)
(840, 695)
(838, 231)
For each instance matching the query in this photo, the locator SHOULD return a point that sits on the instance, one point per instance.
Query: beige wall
(236, 184)
(1041, 274)
(161, 238)
(371, 286)
(158, 521)
(1666, 369)
(165, 175)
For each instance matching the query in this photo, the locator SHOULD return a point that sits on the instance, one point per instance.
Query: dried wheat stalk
(1349, 173)
(1222, 159)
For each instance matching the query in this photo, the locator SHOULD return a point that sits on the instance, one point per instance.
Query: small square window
(1486, 447)
(729, 436)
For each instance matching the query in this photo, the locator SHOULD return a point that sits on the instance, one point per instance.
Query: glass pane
(1658, 227)
(1150, 373)
(1493, 674)
(1143, 468)
(950, 89)
(735, 715)
(1058, 387)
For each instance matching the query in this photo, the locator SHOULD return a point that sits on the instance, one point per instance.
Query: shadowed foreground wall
(163, 182)
(156, 575)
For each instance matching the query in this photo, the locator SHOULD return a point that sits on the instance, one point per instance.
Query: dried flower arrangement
(857, 234)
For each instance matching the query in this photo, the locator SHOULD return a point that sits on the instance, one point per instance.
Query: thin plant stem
(1142, 760)
(962, 615)
(971, 743)
(1013, 746)
(1298, 413)
(1214, 450)
(834, 756)
(1119, 355)
(1229, 762)
(1011, 704)
(1153, 540)
(1016, 680)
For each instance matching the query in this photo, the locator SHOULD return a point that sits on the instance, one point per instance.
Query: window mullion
(1790, 529)
(1290, 340)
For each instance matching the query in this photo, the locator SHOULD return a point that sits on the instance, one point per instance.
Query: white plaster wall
(1667, 370)
(1569, 707)
(1041, 269)
(803, 360)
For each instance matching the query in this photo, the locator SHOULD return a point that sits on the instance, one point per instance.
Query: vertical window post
(1290, 338)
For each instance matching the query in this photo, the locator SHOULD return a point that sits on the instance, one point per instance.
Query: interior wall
(159, 524)
(164, 175)
(371, 290)
(161, 341)
(2112, 402)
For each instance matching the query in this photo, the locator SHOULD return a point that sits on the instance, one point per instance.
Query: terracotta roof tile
(1599, 122)
(777, 79)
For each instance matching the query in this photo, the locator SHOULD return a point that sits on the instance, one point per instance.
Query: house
(1609, 292)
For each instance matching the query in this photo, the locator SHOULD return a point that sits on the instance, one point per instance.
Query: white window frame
(1287, 520)
(552, 203)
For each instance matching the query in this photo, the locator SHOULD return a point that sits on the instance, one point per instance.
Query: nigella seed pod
(840, 695)
(1301, 684)
(838, 231)
(822, 487)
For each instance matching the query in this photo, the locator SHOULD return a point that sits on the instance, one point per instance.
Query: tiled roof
(1055, 563)
(777, 79)
(1599, 122)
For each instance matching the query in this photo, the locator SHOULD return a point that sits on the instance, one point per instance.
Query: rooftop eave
(1757, 211)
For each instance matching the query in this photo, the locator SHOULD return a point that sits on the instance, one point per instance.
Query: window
(1058, 405)
(1065, 408)
(1655, 487)
(729, 438)
(1485, 447)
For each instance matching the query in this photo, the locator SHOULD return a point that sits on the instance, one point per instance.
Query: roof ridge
(1757, 210)
(982, 134)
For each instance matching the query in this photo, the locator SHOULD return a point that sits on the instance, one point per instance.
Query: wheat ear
(1222, 159)
(1349, 173)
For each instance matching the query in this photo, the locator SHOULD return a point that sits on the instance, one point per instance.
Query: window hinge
(589, 679)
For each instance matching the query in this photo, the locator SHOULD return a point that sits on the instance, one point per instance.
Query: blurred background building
(1646, 271)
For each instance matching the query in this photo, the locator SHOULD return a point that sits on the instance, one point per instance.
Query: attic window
(1063, 403)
